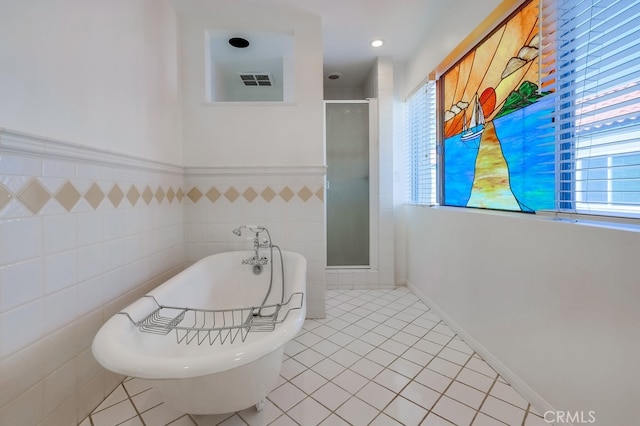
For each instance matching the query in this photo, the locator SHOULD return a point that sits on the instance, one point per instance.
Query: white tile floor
(381, 357)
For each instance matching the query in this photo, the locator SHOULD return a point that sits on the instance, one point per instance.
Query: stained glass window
(498, 152)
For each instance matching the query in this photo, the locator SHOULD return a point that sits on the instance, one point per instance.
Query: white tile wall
(295, 225)
(63, 273)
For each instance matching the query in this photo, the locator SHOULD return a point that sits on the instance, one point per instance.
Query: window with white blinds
(421, 144)
(595, 59)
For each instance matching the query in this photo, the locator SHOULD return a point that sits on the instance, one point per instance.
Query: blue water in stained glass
(528, 152)
(459, 170)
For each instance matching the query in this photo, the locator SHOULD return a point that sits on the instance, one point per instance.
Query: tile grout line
(526, 414)
(430, 410)
(361, 307)
(412, 380)
(397, 394)
(384, 367)
(95, 410)
(346, 368)
(453, 379)
(443, 346)
(132, 403)
(486, 396)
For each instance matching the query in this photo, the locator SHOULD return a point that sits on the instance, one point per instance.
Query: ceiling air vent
(256, 79)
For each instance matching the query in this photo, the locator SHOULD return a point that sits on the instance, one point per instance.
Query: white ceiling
(350, 25)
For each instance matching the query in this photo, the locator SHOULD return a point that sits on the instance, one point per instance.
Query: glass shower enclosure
(347, 186)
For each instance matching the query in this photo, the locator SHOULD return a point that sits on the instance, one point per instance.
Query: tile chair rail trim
(18, 142)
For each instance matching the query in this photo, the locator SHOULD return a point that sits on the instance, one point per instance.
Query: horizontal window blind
(421, 144)
(593, 67)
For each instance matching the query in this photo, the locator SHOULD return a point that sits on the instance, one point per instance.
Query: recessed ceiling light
(334, 76)
(239, 42)
(377, 43)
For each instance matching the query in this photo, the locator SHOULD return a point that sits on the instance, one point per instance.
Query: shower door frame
(374, 181)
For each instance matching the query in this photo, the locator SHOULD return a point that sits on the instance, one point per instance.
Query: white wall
(97, 73)
(400, 173)
(256, 163)
(552, 304)
(444, 34)
(83, 230)
(384, 79)
(251, 134)
(348, 94)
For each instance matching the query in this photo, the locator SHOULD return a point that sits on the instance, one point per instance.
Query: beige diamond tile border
(147, 195)
(115, 195)
(232, 194)
(68, 196)
(5, 196)
(171, 195)
(305, 193)
(286, 194)
(34, 195)
(250, 194)
(213, 194)
(133, 195)
(94, 196)
(194, 195)
(160, 195)
(268, 194)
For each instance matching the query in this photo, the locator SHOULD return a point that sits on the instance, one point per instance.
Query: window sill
(627, 224)
(610, 222)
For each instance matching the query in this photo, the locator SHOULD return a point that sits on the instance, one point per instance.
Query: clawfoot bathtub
(198, 338)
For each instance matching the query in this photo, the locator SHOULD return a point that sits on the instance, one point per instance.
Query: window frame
(421, 144)
(569, 154)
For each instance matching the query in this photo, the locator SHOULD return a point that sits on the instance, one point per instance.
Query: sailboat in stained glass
(473, 129)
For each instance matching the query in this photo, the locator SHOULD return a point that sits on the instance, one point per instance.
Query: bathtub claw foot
(260, 405)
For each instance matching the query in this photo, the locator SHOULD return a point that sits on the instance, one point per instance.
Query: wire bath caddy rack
(212, 326)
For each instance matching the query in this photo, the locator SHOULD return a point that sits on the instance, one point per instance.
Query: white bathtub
(208, 378)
